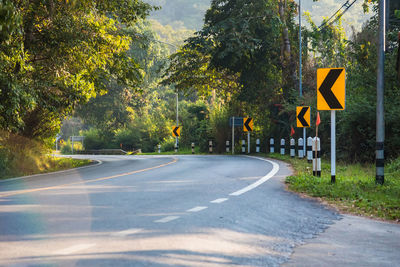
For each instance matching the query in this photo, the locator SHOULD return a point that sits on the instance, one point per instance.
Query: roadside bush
(168, 144)
(66, 148)
(94, 139)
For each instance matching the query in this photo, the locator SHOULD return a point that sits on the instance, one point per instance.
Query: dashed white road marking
(129, 232)
(219, 200)
(196, 209)
(167, 219)
(275, 169)
(74, 249)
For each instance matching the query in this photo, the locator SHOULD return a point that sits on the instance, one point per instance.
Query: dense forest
(110, 73)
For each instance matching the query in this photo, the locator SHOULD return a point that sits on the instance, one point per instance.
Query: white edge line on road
(74, 249)
(275, 169)
(99, 162)
(167, 219)
(197, 209)
(219, 200)
(129, 232)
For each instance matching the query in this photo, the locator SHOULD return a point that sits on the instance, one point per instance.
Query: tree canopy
(56, 54)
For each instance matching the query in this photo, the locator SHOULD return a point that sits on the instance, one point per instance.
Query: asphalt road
(161, 211)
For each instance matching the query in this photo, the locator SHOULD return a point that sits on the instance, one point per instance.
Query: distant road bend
(157, 211)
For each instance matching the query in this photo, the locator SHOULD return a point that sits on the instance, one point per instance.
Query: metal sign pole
(177, 122)
(248, 142)
(380, 111)
(233, 135)
(300, 70)
(333, 146)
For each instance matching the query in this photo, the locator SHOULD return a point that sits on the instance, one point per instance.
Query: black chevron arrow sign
(248, 124)
(303, 121)
(326, 89)
(175, 131)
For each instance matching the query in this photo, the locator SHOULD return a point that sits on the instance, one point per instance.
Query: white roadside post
(300, 145)
(309, 149)
(258, 145)
(282, 146)
(227, 146)
(210, 146)
(271, 145)
(292, 148)
(192, 148)
(316, 157)
(243, 146)
(159, 149)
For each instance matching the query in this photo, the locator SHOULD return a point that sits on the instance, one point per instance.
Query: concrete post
(292, 148)
(210, 147)
(282, 146)
(309, 150)
(258, 146)
(192, 148)
(243, 146)
(271, 145)
(300, 145)
(316, 157)
(227, 146)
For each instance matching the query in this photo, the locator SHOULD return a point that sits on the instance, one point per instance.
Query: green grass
(58, 164)
(45, 165)
(355, 190)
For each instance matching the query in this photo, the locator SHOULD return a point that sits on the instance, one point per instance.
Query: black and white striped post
(176, 148)
(271, 145)
(300, 144)
(192, 148)
(159, 149)
(292, 148)
(258, 146)
(227, 146)
(309, 149)
(243, 146)
(316, 146)
(282, 146)
(210, 146)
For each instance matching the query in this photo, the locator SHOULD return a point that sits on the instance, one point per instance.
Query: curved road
(157, 211)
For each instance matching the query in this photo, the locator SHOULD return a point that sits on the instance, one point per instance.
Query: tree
(61, 54)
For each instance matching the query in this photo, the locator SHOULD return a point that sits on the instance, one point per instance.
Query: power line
(340, 13)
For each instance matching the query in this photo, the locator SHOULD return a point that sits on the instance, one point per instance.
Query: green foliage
(95, 139)
(66, 149)
(168, 144)
(56, 54)
(21, 156)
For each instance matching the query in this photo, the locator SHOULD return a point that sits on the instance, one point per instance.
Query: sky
(323, 8)
(326, 8)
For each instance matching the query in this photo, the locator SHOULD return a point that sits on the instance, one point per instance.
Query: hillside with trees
(107, 68)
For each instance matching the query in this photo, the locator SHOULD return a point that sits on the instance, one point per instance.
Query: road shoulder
(352, 241)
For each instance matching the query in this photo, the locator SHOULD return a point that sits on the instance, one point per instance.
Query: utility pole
(380, 113)
(300, 70)
(177, 117)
